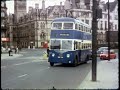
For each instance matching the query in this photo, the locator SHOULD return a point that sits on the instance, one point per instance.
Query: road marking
(22, 75)
(21, 63)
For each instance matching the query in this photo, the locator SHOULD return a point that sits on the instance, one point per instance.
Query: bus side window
(81, 28)
(90, 30)
(75, 46)
(86, 29)
(85, 46)
(82, 46)
(76, 26)
(79, 45)
(89, 46)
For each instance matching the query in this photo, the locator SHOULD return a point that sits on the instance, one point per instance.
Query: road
(31, 72)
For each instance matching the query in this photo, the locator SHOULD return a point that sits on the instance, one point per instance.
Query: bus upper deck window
(68, 26)
(57, 25)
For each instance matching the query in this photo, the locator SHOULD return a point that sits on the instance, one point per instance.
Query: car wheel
(51, 64)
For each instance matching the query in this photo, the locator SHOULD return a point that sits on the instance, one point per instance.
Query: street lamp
(94, 40)
(108, 39)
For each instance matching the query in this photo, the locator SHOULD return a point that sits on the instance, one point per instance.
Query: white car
(101, 49)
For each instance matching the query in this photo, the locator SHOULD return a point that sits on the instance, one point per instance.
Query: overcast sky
(10, 4)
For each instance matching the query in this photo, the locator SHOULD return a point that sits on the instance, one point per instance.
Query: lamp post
(94, 40)
(36, 28)
(108, 39)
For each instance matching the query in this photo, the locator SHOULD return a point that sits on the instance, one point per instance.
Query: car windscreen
(105, 52)
(101, 49)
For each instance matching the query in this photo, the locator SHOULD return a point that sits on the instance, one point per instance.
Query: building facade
(82, 9)
(33, 28)
(4, 31)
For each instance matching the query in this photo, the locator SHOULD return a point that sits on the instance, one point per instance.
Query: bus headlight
(68, 55)
(53, 54)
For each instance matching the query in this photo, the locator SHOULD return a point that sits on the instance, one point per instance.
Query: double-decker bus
(70, 41)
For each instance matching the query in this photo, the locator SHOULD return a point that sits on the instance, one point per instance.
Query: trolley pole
(94, 40)
(108, 39)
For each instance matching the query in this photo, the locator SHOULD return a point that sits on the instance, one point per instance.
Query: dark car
(101, 50)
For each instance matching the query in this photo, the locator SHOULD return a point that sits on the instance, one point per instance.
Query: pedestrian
(9, 51)
(48, 51)
(17, 49)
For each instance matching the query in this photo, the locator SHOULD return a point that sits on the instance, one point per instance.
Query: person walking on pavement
(9, 51)
(17, 49)
(47, 51)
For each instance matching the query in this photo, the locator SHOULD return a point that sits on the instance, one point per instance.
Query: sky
(10, 4)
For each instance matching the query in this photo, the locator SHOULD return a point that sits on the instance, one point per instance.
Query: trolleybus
(70, 41)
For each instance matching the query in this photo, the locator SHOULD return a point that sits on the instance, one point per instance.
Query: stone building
(82, 9)
(4, 31)
(33, 28)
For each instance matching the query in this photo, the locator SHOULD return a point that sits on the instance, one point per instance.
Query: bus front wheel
(51, 64)
(75, 61)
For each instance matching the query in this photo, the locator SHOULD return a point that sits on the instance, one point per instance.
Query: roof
(64, 19)
(52, 7)
(111, 5)
(69, 19)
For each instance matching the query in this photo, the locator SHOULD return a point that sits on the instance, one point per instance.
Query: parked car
(101, 50)
(104, 55)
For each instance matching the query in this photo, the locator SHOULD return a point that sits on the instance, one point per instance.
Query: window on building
(105, 25)
(105, 16)
(2, 3)
(88, 7)
(101, 26)
(2, 23)
(87, 21)
(116, 17)
(82, 20)
(115, 27)
(2, 14)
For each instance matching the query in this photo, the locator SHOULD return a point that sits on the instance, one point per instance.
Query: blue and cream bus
(70, 41)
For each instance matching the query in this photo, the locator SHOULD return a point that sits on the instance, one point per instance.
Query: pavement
(6, 55)
(106, 76)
